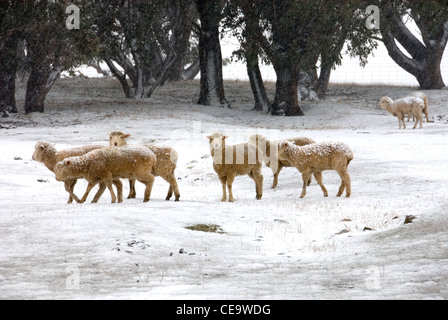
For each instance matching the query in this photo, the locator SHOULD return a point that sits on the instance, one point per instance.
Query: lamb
(317, 157)
(108, 164)
(270, 156)
(164, 166)
(235, 160)
(46, 153)
(424, 97)
(400, 107)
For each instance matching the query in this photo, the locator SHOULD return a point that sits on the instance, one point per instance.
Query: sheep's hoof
(177, 199)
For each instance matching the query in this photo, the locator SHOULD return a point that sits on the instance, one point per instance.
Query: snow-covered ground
(280, 247)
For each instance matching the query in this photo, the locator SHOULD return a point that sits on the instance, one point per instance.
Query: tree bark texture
(8, 70)
(210, 58)
(43, 75)
(286, 99)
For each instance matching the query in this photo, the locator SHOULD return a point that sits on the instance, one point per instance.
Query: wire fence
(380, 70)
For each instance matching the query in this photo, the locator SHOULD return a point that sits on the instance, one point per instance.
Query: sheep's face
(62, 168)
(39, 151)
(216, 141)
(118, 139)
(283, 150)
(384, 103)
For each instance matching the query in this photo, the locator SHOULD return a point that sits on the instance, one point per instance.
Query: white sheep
(164, 166)
(317, 157)
(400, 107)
(235, 160)
(269, 150)
(46, 153)
(424, 97)
(109, 164)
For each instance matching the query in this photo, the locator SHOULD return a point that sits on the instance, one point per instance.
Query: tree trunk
(426, 69)
(324, 79)
(256, 83)
(192, 71)
(286, 100)
(210, 58)
(40, 82)
(426, 57)
(431, 76)
(121, 78)
(8, 70)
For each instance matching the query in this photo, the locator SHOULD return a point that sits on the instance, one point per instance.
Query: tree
(145, 41)
(243, 18)
(422, 58)
(8, 69)
(210, 57)
(50, 46)
(11, 28)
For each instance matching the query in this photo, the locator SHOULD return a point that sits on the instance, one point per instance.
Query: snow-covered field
(280, 247)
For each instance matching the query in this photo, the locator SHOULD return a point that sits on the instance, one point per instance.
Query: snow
(279, 247)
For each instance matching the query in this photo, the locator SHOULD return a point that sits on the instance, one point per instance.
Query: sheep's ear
(127, 135)
(209, 138)
(42, 147)
(225, 137)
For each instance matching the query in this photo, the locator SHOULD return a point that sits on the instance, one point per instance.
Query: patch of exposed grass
(214, 228)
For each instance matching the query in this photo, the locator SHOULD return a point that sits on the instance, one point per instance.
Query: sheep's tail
(350, 158)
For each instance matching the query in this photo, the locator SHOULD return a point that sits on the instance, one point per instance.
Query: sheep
(235, 160)
(108, 164)
(317, 157)
(164, 166)
(269, 152)
(424, 97)
(400, 107)
(46, 153)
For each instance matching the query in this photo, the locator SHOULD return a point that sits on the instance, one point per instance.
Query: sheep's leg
(318, 176)
(173, 188)
(132, 192)
(69, 186)
(401, 121)
(111, 190)
(258, 179)
(119, 187)
(99, 193)
(89, 188)
(274, 184)
(230, 180)
(346, 183)
(305, 177)
(149, 183)
(419, 119)
(170, 193)
(224, 190)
